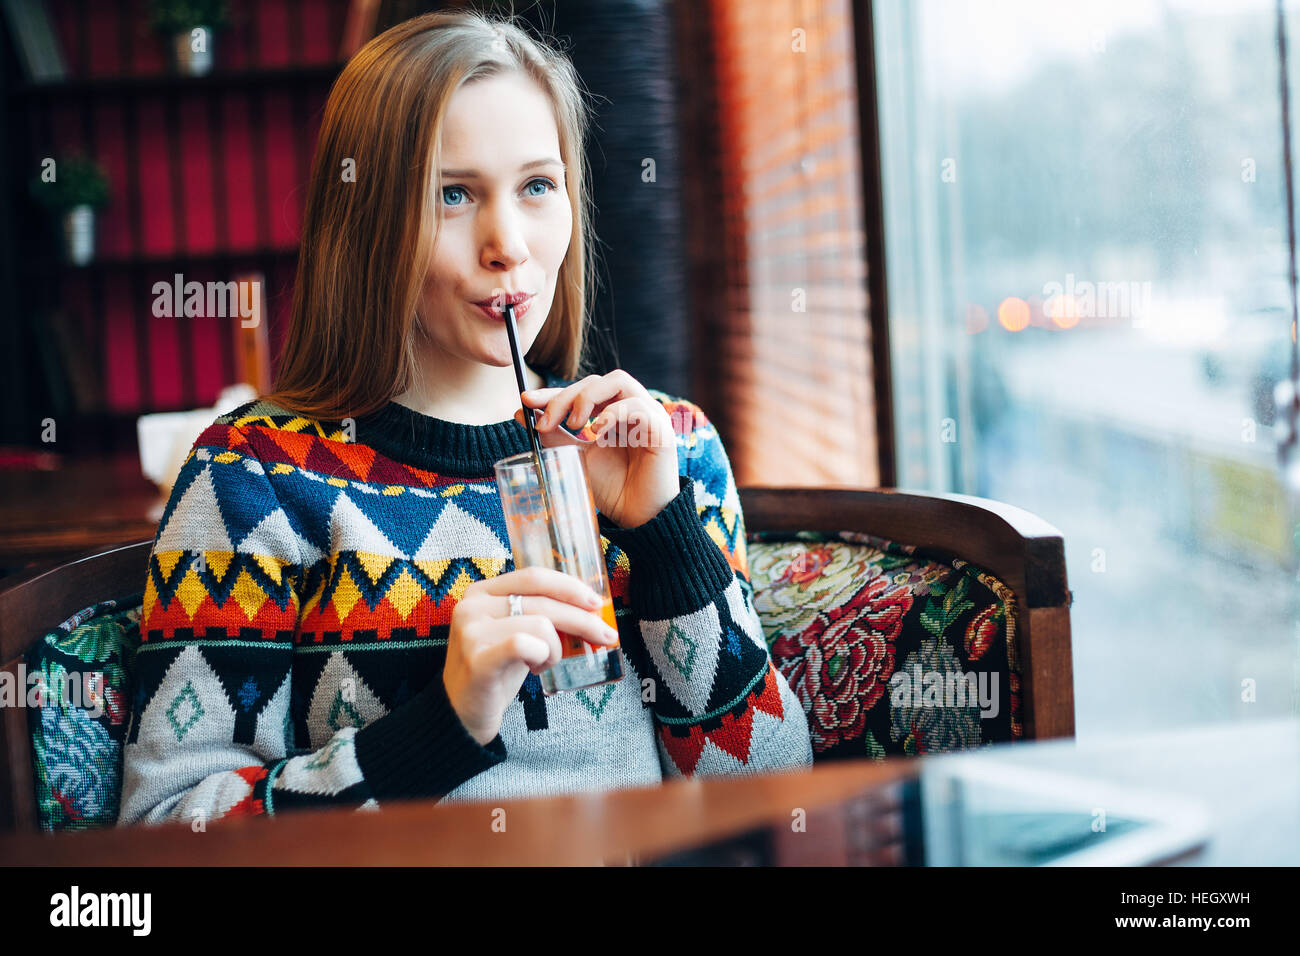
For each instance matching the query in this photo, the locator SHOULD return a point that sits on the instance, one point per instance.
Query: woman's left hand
(632, 465)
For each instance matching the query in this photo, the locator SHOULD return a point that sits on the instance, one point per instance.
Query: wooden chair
(32, 603)
(1022, 550)
(1018, 547)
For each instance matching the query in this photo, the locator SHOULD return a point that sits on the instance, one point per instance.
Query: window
(1086, 248)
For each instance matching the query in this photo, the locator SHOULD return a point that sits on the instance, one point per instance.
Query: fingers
(537, 397)
(560, 405)
(487, 645)
(588, 625)
(555, 436)
(537, 580)
(580, 412)
(636, 421)
(561, 600)
(524, 646)
(577, 402)
(534, 639)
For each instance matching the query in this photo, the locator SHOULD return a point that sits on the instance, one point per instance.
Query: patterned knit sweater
(298, 603)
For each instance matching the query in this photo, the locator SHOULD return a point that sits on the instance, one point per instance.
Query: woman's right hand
(489, 652)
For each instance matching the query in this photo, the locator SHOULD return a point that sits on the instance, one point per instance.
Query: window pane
(1089, 308)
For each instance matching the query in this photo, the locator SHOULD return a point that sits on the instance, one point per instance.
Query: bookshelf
(207, 175)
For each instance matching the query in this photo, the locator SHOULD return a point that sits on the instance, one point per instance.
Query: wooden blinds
(782, 294)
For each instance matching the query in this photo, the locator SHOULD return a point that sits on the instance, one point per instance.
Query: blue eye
(540, 181)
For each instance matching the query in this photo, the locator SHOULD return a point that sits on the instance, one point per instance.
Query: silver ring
(516, 604)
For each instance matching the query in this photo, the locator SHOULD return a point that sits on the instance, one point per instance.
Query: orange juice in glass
(566, 538)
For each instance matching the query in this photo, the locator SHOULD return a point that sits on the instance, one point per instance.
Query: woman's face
(506, 219)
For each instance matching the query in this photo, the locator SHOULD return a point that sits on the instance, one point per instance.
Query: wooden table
(1246, 774)
(617, 827)
(48, 515)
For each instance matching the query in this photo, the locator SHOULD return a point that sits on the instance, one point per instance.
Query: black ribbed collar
(451, 448)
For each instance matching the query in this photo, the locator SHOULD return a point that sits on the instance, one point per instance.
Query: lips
(514, 298)
(521, 301)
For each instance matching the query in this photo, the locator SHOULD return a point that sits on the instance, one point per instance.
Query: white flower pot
(188, 61)
(79, 234)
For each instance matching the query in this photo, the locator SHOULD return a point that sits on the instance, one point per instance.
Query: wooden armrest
(1018, 547)
(33, 601)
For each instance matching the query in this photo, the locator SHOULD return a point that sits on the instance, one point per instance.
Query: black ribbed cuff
(421, 749)
(676, 567)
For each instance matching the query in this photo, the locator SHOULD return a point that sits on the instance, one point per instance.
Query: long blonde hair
(366, 239)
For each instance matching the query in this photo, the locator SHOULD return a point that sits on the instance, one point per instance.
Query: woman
(328, 614)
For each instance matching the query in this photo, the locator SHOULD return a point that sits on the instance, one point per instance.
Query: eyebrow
(474, 174)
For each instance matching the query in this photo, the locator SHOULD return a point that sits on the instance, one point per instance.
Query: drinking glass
(567, 538)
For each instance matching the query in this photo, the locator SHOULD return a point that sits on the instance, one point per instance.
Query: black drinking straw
(513, 335)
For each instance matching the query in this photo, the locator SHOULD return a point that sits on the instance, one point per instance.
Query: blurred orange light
(1013, 313)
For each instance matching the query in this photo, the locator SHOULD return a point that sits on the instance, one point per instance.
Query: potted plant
(74, 188)
(189, 26)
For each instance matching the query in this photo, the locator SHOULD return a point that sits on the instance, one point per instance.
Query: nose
(502, 245)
